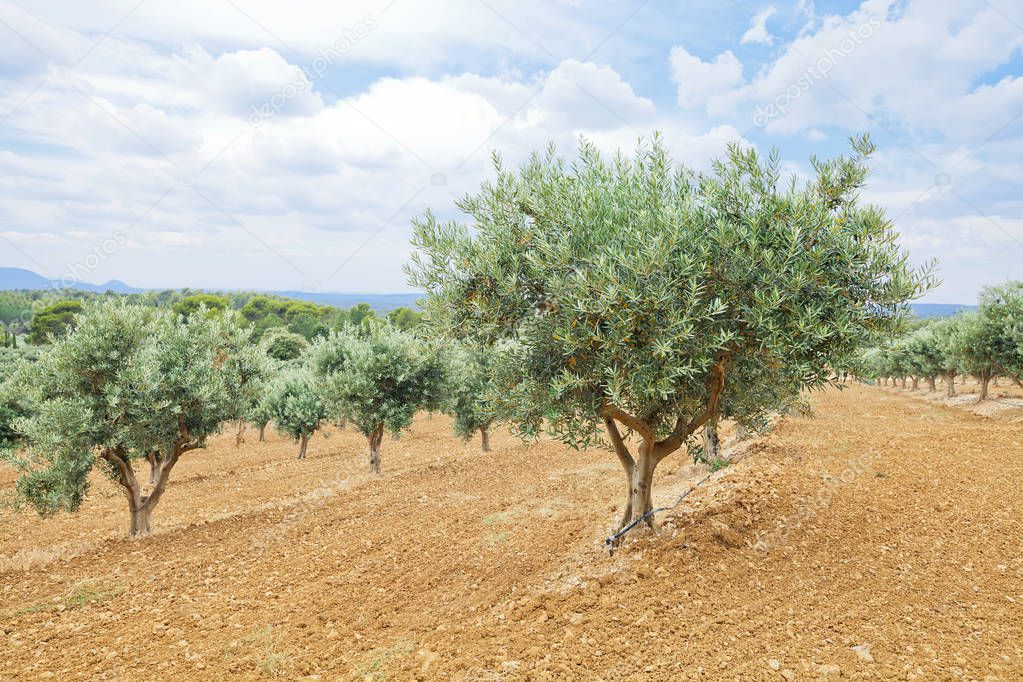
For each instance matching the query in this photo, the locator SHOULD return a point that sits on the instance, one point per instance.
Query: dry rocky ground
(882, 539)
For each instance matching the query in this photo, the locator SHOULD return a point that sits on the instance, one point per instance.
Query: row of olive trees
(134, 387)
(986, 343)
(613, 299)
(375, 378)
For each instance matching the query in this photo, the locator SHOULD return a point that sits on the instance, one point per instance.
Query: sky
(254, 144)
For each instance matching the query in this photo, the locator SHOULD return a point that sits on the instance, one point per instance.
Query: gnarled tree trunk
(931, 384)
(374, 448)
(985, 380)
(904, 382)
(916, 382)
(485, 438)
(141, 522)
(711, 441)
(239, 437)
(950, 384)
(262, 432)
(140, 506)
(303, 443)
(639, 470)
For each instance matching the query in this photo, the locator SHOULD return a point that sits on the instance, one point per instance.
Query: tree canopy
(283, 345)
(297, 407)
(636, 292)
(190, 305)
(470, 389)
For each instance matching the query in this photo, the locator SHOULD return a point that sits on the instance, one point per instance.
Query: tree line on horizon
(39, 315)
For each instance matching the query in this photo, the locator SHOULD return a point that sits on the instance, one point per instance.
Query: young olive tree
(470, 385)
(377, 377)
(924, 353)
(261, 413)
(977, 348)
(948, 334)
(641, 295)
(297, 406)
(1001, 313)
(129, 384)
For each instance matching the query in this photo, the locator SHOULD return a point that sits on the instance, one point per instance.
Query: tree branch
(628, 463)
(128, 480)
(682, 431)
(634, 423)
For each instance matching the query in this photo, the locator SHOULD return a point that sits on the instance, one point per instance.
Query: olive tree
(1001, 314)
(924, 355)
(128, 384)
(470, 385)
(948, 334)
(640, 294)
(977, 348)
(377, 377)
(261, 413)
(297, 406)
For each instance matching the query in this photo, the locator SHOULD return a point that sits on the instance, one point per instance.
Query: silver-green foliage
(625, 281)
(296, 404)
(1001, 314)
(470, 389)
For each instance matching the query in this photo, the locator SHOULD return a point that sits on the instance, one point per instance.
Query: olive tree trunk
(239, 437)
(916, 382)
(303, 443)
(985, 380)
(904, 382)
(374, 438)
(639, 470)
(931, 384)
(141, 522)
(950, 384)
(262, 432)
(141, 506)
(485, 438)
(711, 441)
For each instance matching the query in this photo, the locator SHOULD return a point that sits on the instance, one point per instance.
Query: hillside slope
(886, 523)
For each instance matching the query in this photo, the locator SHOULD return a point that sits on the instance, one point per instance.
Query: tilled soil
(881, 539)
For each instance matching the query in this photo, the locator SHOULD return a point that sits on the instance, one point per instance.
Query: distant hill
(19, 278)
(926, 310)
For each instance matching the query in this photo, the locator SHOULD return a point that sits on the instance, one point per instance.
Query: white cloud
(699, 81)
(757, 32)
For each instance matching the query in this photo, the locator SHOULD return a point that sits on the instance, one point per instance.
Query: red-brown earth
(882, 539)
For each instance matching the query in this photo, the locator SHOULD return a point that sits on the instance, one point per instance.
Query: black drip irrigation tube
(609, 542)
